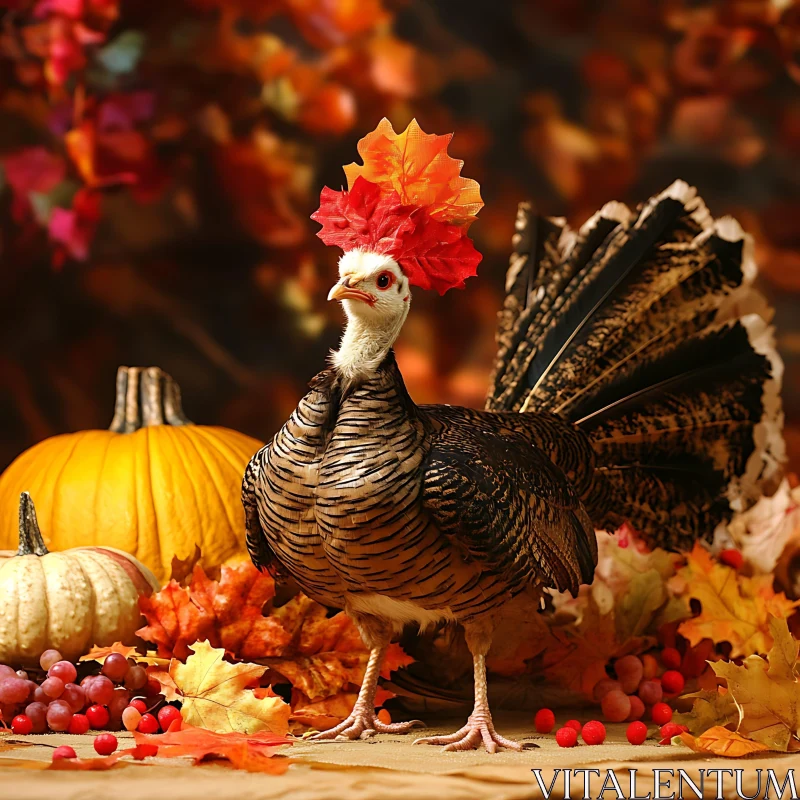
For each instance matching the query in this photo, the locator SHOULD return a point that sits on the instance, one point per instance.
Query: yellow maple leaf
(416, 165)
(710, 708)
(766, 691)
(722, 742)
(735, 608)
(215, 696)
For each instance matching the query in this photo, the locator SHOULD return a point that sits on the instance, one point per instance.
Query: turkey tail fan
(649, 337)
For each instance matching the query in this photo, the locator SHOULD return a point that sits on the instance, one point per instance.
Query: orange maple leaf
(722, 742)
(251, 752)
(734, 608)
(416, 165)
(101, 653)
(228, 612)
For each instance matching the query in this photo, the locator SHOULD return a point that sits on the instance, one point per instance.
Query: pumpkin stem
(30, 537)
(146, 397)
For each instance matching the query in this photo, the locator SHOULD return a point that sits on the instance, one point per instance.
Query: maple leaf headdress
(407, 201)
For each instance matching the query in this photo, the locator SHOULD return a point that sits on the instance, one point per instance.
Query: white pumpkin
(68, 601)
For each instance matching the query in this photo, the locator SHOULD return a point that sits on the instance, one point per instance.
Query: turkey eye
(384, 280)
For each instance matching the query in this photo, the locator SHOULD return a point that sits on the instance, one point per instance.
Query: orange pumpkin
(154, 485)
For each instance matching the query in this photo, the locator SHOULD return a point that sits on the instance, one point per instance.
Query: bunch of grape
(639, 686)
(60, 703)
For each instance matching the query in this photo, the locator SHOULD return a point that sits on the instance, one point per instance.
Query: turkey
(635, 380)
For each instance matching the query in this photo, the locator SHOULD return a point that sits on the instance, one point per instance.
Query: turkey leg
(479, 727)
(363, 722)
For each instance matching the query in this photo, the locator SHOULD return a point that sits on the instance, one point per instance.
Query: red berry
(733, 558)
(139, 705)
(637, 708)
(669, 730)
(544, 721)
(105, 744)
(573, 723)
(21, 724)
(148, 724)
(142, 751)
(169, 714)
(661, 713)
(78, 724)
(566, 737)
(594, 732)
(98, 716)
(637, 732)
(672, 681)
(64, 751)
(671, 658)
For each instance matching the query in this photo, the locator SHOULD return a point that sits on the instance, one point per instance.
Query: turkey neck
(365, 346)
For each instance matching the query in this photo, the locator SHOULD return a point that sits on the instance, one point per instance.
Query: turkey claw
(363, 725)
(476, 730)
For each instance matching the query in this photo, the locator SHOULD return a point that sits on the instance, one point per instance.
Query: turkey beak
(345, 290)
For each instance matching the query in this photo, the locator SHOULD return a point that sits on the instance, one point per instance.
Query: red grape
(629, 671)
(105, 744)
(594, 732)
(544, 720)
(119, 702)
(98, 716)
(115, 667)
(21, 724)
(636, 733)
(603, 687)
(79, 724)
(87, 681)
(661, 713)
(100, 690)
(37, 713)
(637, 708)
(136, 678)
(650, 666)
(616, 706)
(13, 690)
(7, 672)
(64, 751)
(650, 692)
(39, 696)
(566, 737)
(74, 696)
(63, 670)
(131, 717)
(148, 724)
(52, 687)
(48, 658)
(59, 715)
(139, 705)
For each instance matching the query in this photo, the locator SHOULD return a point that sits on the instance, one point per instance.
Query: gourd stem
(30, 537)
(145, 397)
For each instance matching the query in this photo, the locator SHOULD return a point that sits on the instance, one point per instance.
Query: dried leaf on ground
(328, 652)
(228, 612)
(215, 695)
(735, 608)
(251, 752)
(766, 691)
(710, 708)
(722, 742)
(101, 653)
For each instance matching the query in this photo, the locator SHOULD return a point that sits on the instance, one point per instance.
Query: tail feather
(654, 343)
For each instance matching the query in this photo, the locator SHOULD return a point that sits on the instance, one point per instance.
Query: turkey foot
(363, 723)
(479, 728)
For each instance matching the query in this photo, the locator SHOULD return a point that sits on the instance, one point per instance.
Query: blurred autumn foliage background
(159, 162)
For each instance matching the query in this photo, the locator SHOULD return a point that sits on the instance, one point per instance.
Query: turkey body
(420, 513)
